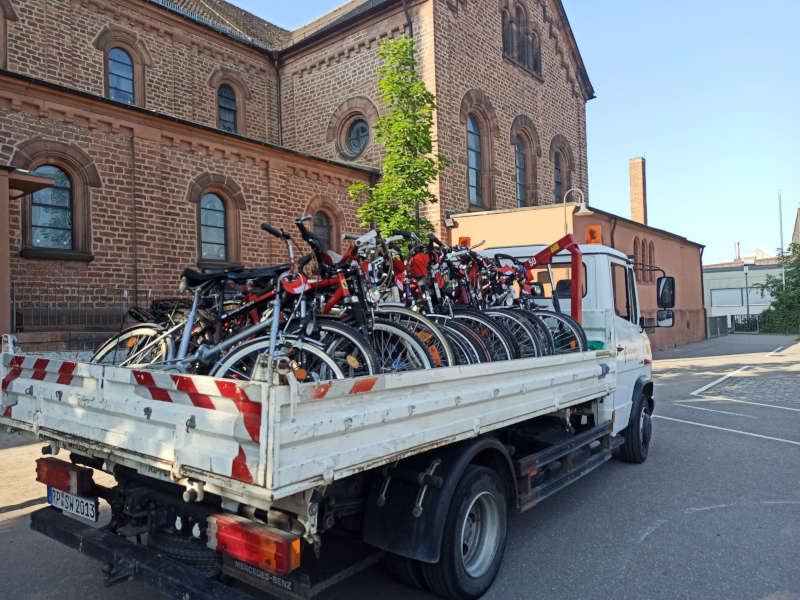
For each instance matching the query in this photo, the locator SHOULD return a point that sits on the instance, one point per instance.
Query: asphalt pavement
(714, 513)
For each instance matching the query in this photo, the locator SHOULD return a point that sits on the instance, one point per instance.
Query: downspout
(613, 228)
(407, 11)
(703, 294)
(276, 62)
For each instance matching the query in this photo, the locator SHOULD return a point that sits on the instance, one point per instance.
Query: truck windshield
(562, 275)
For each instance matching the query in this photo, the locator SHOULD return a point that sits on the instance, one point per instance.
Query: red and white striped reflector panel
(64, 476)
(258, 545)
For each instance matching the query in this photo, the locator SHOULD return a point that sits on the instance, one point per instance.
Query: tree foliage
(783, 315)
(405, 132)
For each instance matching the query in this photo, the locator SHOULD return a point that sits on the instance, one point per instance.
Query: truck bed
(180, 427)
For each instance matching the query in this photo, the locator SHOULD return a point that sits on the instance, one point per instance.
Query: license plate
(85, 508)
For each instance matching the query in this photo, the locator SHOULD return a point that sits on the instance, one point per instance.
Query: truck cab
(611, 315)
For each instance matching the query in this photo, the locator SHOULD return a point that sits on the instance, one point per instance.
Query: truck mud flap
(543, 473)
(125, 561)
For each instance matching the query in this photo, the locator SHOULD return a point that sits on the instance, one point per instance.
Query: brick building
(172, 128)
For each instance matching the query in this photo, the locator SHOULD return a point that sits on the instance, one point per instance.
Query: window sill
(476, 208)
(53, 254)
(219, 265)
(537, 76)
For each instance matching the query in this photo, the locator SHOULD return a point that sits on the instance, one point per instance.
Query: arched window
(536, 54)
(637, 258)
(226, 108)
(120, 76)
(51, 211)
(357, 137)
(644, 274)
(323, 229)
(522, 37)
(652, 260)
(521, 171)
(508, 37)
(475, 162)
(558, 186)
(212, 228)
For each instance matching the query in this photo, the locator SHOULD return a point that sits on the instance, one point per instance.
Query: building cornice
(49, 100)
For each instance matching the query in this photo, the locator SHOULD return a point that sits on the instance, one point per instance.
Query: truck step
(547, 471)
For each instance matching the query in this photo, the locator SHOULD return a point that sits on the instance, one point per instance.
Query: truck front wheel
(639, 433)
(474, 537)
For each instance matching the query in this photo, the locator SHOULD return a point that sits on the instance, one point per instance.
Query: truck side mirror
(665, 289)
(665, 318)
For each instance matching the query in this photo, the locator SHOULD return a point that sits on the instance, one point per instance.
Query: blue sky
(706, 90)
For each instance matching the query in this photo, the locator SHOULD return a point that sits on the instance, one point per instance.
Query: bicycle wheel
(463, 351)
(542, 332)
(424, 329)
(348, 348)
(566, 332)
(473, 339)
(397, 349)
(311, 362)
(494, 335)
(135, 347)
(523, 331)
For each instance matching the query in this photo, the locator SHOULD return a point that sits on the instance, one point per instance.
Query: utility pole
(780, 220)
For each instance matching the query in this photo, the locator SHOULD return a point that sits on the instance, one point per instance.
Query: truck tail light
(258, 545)
(64, 476)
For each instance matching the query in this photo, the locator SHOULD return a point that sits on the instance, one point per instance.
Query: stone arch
(8, 10)
(476, 101)
(336, 215)
(232, 197)
(83, 173)
(35, 148)
(523, 128)
(523, 124)
(344, 115)
(113, 36)
(240, 88)
(561, 143)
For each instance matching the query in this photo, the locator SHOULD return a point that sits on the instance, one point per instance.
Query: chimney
(738, 252)
(638, 191)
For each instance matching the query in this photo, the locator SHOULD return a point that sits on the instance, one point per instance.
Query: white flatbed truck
(291, 488)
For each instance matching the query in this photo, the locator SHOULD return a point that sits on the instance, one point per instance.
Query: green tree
(783, 315)
(405, 132)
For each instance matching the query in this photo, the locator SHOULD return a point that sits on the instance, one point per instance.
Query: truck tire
(186, 550)
(638, 433)
(405, 570)
(474, 537)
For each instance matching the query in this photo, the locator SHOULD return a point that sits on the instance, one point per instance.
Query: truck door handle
(620, 348)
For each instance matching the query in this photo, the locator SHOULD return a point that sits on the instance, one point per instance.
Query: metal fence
(67, 308)
(745, 323)
(717, 326)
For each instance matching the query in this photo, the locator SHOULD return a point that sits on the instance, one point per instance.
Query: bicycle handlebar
(436, 240)
(278, 233)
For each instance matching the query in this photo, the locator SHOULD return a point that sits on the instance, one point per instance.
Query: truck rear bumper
(125, 561)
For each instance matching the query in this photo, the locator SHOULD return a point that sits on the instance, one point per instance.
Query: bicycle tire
(567, 333)
(347, 347)
(240, 362)
(424, 329)
(522, 330)
(396, 348)
(463, 351)
(543, 333)
(142, 336)
(497, 339)
(473, 339)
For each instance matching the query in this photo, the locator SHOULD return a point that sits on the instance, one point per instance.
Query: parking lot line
(747, 433)
(700, 390)
(758, 404)
(778, 349)
(724, 412)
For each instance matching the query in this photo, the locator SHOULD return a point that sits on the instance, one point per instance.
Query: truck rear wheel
(406, 570)
(474, 537)
(638, 434)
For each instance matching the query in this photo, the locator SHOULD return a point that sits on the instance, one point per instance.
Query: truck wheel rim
(480, 534)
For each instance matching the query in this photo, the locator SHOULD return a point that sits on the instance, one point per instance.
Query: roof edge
(583, 75)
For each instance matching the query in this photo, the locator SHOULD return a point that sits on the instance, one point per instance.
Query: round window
(357, 137)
